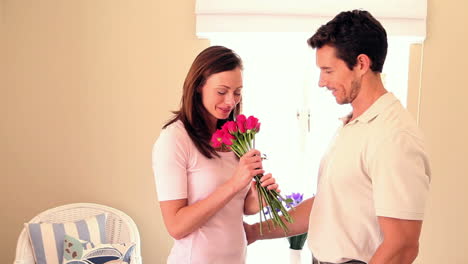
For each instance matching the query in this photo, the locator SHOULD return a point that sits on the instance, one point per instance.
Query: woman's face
(221, 93)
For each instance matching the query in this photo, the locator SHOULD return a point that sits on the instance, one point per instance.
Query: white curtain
(399, 17)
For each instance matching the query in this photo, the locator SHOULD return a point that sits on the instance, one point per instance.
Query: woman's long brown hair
(192, 113)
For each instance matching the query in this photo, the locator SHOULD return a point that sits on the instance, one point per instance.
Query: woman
(204, 192)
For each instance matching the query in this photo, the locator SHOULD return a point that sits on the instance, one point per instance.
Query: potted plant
(296, 243)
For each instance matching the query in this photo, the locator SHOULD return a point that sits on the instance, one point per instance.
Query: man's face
(344, 83)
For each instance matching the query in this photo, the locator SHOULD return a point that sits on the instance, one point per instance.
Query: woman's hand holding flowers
(269, 182)
(239, 136)
(249, 165)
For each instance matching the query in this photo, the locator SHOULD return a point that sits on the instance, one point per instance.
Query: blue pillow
(47, 238)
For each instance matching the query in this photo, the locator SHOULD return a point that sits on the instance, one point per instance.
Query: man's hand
(251, 233)
(301, 223)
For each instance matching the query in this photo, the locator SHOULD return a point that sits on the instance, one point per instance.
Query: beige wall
(443, 118)
(2, 78)
(86, 86)
(89, 85)
(414, 80)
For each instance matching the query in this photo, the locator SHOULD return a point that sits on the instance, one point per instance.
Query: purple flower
(296, 199)
(291, 200)
(267, 210)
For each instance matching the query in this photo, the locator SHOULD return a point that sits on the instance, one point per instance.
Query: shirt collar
(374, 110)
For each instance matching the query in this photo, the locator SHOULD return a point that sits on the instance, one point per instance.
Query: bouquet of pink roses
(239, 136)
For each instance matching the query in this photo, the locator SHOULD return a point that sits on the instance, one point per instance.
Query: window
(298, 118)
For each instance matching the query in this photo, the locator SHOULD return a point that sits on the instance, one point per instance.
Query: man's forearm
(401, 241)
(386, 254)
(300, 214)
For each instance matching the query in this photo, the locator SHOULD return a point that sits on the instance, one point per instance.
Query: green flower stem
(270, 198)
(236, 150)
(275, 204)
(260, 205)
(246, 142)
(242, 144)
(262, 197)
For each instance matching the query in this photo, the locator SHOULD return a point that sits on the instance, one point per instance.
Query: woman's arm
(251, 205)
(182, 219)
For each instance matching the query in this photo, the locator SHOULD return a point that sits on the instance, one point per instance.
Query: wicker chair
(120, 228)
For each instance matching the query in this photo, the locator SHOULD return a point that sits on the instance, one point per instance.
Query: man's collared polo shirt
(375, 166)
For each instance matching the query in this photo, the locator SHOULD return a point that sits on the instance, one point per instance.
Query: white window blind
(399, 17)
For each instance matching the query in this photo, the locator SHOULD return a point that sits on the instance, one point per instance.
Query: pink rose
(232, 127)
(241, 123)
(224, 128)
(251, 123)
(228, 139)
(216, 139)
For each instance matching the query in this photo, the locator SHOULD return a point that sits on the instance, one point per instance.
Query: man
(374, 179)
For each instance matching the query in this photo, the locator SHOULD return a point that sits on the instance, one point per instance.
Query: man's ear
(363, 63)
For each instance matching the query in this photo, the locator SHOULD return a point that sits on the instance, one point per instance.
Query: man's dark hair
(353, 33)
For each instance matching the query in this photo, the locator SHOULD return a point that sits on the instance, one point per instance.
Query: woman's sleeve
(170, 156)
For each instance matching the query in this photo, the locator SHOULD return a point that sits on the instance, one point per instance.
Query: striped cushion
(47, 238)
